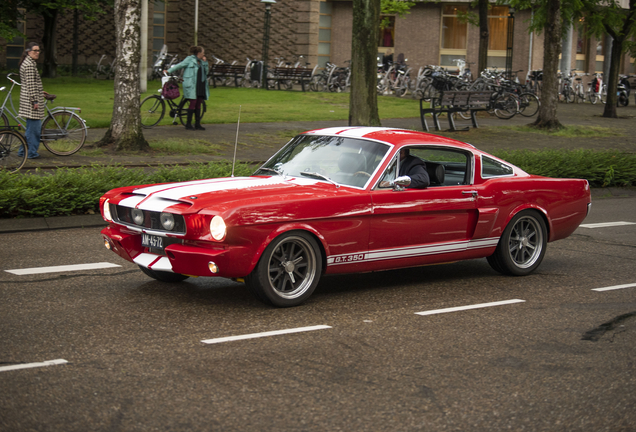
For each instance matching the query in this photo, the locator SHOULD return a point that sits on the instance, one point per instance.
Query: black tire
(288, 271)
(163, 276)
(506, 106)
(623, 100)
(13, 151)
(63, 133)
(568, 93)
(183, 110)
(152, 108)
(528, 104)
(522, 246)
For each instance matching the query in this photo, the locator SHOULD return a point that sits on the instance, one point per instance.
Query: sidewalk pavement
(258, 141)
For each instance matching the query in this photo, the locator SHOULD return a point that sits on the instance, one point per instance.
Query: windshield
(345, 161)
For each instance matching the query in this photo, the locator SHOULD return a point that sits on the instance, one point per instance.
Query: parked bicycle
(13, 150)
(153, 108)
(104, 70)
(63, 130)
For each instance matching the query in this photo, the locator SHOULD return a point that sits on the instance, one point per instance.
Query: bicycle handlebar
(12, 80)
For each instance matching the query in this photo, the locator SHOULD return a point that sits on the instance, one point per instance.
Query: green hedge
(77, 191)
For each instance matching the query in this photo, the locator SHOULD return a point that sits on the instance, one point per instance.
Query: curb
(50, 223)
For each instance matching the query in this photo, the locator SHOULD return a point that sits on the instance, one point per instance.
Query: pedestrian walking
(195, 84)
(31, 97)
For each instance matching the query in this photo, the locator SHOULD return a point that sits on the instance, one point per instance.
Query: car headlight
(217, 228)
(167, 221)
(106, 211)
(137, 216)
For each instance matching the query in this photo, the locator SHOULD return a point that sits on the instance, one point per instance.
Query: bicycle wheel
(593, 98)
(183, 111)
(506, 106)
(604, 96)
(568, 93)
(153, 108)
(63, 133)
(13, 151)
(4, 121)
(528, 104)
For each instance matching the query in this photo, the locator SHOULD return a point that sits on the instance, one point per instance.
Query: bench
(225, 71)
(288, 75)
(451, 102)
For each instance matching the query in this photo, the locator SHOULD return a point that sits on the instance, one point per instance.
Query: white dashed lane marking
(615, 287)
(33, 365)
(64, 268)
(606, 224)
(265, 334)
(475, 306)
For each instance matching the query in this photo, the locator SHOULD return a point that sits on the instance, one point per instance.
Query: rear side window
(493, 168)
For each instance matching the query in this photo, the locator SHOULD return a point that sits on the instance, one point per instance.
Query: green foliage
(600, 168)
(394, 7)
(77, 191)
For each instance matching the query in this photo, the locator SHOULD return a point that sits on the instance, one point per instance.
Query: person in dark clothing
(413, 167)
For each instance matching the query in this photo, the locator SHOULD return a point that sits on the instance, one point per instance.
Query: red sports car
(338, 200)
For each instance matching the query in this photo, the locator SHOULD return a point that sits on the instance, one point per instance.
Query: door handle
(473, 193)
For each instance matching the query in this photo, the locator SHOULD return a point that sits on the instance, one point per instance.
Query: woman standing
(31, 98)
(195, 83)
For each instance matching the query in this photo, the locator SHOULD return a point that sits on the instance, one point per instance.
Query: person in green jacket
(195, 83)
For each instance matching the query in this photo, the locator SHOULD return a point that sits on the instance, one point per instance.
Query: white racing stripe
(64, 268)
(475, 306)
(264, 334)
(33, 365)
(606, 224)
(615, 287)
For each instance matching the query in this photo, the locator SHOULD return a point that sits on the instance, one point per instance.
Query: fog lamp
(107, 244)
(167, 221)
(137, 216)
(213, 267)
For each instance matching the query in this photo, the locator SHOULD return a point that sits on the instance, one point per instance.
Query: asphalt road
(561, 357)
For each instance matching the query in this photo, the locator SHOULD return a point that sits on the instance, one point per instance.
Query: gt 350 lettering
(348, 258)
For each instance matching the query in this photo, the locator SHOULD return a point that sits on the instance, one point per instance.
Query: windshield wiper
(320, 176)
(272, 170)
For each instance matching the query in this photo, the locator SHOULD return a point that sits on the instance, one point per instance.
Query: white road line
(33, 365)
(64, 268)
(475, 306)
(606, 224)
(265, 334)
(615, 287)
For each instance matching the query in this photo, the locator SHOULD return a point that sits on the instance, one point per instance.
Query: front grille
(151, 221)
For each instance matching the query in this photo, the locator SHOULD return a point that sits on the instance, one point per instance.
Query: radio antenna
(236, 142)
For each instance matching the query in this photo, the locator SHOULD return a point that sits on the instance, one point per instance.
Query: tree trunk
(484, 37)
(547, 118)
(363, 100)
(49, 66)
(125, 130)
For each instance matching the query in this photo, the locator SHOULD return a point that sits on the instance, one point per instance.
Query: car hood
(225, 193)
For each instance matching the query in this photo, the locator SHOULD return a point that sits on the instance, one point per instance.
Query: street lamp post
(510, 42)
(268, 17)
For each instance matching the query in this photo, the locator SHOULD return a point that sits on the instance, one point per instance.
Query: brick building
(321, 31)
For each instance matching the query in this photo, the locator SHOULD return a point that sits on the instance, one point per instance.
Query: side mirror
(402, 181)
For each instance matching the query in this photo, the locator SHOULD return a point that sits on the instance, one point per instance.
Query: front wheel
(528, 104)
(163, 276)
(288, 271)
(13, 151)
(506, 106)
(63, 133)
(522, 246)
(623, 100)
(152, 108)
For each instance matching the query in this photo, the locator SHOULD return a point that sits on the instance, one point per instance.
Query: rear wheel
(522, 246)
(63, 133)
(288, 271)
(13, 151)
(163, 276)
(506, 106)
(153, 108)
(4, 121)
(183, 110)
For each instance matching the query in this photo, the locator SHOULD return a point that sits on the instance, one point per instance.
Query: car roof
(394, 136)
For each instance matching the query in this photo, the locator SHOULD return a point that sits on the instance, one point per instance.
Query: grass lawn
(95, 98)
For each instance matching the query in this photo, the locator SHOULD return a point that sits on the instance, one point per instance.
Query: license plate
(152, 241)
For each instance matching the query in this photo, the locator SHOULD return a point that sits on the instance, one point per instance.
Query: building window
(581, 47)
(158, 27)
(324, 34)
(600, 55)
(387, 32)
(454, 35)
(16, 47)
(498, 38)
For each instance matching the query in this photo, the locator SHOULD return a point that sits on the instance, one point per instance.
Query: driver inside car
(412, 167)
